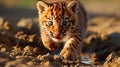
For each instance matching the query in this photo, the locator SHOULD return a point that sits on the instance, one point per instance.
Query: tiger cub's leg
(71, 50)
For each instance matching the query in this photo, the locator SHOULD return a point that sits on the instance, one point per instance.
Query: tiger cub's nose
(57, 36)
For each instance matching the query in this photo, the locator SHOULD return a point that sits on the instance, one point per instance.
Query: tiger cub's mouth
(57, 38)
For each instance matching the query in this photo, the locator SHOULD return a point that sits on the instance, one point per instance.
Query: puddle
(87, 60)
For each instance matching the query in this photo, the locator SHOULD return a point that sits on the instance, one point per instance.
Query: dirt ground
(21, 46)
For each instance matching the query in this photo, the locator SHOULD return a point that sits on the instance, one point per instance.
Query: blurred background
(14, 10)
(27, 8)
(19, 3)
(102, 7)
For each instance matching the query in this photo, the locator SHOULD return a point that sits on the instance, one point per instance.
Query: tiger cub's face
(56, 19)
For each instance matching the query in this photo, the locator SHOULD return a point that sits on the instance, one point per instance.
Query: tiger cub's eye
(65, 23)
(50, 23)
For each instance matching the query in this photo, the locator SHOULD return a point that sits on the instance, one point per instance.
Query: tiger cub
(62, 22)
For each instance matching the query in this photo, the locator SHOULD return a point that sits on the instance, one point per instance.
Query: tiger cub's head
(56, 18)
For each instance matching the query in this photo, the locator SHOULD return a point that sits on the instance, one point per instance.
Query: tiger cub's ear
(41, 6)
(72, 5)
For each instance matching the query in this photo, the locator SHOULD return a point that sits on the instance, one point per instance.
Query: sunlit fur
(60, 23)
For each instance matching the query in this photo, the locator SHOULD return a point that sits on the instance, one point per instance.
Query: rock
(25, 23)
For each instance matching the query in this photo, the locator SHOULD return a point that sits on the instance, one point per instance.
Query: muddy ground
(21, 46)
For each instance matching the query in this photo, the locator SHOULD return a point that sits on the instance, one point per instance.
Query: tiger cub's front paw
(69, 55)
